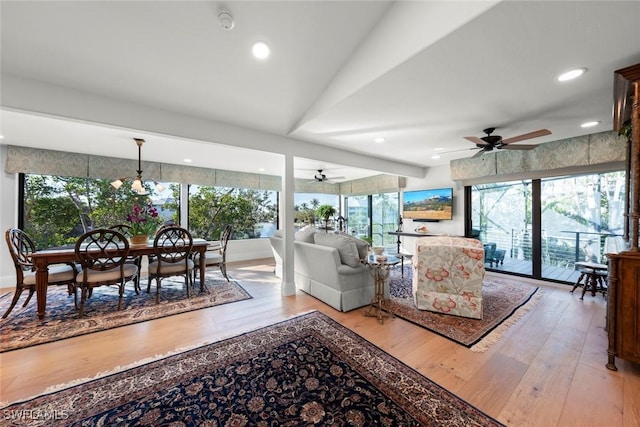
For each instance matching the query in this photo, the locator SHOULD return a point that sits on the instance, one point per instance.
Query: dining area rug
(23, 329)
(302, 371)
(504, 303)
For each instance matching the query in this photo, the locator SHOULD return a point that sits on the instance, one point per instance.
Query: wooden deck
(554, 273)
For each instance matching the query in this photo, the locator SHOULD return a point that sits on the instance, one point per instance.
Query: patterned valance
(50, 162)
(373, 185)
(588, 153)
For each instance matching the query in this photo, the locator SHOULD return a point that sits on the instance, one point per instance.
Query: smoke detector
(225, 19)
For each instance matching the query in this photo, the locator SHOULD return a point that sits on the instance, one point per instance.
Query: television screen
(428, 205)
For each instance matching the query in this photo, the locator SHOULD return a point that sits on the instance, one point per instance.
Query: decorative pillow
(304, 236)
(345, 245)
(362, 246)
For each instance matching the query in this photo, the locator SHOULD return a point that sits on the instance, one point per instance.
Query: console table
(410, 234)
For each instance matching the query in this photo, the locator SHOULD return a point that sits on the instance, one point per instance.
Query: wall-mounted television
(428, 205)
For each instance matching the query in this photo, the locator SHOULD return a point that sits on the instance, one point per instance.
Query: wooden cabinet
(623, 301)
(623, 309)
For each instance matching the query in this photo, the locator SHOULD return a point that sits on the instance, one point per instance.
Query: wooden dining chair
(216, 254)
(135, 260)
(103, 253)
(21, 247)
(172, 251)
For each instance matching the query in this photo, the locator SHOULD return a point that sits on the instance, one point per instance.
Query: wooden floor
(548, 369)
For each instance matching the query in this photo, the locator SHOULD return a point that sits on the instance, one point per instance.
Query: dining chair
(172, 257)
(216, 254)
(125, 229)
(103, 253)
(21, 247)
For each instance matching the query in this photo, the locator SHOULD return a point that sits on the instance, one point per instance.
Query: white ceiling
(421, 74)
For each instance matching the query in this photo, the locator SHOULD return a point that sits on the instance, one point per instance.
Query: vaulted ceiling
(419, 74)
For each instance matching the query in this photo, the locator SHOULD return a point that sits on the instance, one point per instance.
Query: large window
(501, 214)
(372, 217)
(572, 219)
(579, 215)
(58, 209)
(252, 213)
(306, 206)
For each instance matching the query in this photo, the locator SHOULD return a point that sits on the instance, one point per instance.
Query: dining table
(44, 258)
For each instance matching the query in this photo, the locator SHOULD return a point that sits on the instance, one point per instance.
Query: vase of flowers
(144, 222)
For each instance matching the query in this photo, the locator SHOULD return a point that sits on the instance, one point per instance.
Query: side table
(379, 269)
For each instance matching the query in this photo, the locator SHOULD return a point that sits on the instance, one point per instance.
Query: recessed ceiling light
(261, 170)
(589, 124)
(572, 74)
(437, 156)
(188, 160)
(260, 50)
(378, 140)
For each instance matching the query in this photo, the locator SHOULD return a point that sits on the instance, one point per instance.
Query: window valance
(51, 162)
(599, 152)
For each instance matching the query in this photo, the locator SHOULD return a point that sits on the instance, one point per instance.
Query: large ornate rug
(505, 301)
(302, 371)
(23, 329)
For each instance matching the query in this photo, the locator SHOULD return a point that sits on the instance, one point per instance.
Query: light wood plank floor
(547, 370)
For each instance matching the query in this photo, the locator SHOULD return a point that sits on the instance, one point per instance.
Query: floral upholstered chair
(447, 275)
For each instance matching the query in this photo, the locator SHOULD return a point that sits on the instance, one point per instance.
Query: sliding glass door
(581, 218)
(372, 217)
(501, 215)
(540, 228)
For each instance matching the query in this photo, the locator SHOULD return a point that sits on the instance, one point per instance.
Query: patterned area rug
(23, 329)
(501, 299)
(306, 370)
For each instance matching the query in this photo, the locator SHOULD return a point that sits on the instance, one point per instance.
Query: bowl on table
(377, 250)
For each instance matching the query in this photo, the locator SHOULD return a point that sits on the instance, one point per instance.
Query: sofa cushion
(345, 245)
(362, 246)
(304, 236)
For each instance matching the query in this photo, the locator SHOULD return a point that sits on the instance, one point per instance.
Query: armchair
(448, 274)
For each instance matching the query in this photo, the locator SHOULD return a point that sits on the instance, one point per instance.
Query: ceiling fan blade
(518, 147)
(535, 134)
(456, 151)
(335, 177)
(475, 140)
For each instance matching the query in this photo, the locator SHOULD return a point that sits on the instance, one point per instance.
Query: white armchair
(448, 274)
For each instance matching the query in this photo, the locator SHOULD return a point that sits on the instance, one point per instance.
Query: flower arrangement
(144, 220)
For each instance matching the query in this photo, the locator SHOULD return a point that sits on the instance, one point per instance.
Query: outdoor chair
(21, 247)
(172, 251)
(102, 253)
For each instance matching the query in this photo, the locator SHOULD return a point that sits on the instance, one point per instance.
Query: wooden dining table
(43, 259)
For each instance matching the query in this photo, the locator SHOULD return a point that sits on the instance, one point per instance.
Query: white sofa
(327, 266)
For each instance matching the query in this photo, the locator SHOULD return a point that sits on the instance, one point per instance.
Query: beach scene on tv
(428, 204)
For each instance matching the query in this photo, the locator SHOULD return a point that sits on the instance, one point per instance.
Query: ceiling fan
(489, 142)
(320, 177)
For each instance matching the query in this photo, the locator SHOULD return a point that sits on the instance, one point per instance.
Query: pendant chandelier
(138, 184)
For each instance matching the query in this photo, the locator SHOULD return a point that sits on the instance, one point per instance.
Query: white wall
(436, 177)
(8, 218)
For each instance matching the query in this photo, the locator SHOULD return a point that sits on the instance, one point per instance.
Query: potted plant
(144, 222)
(326, 212)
